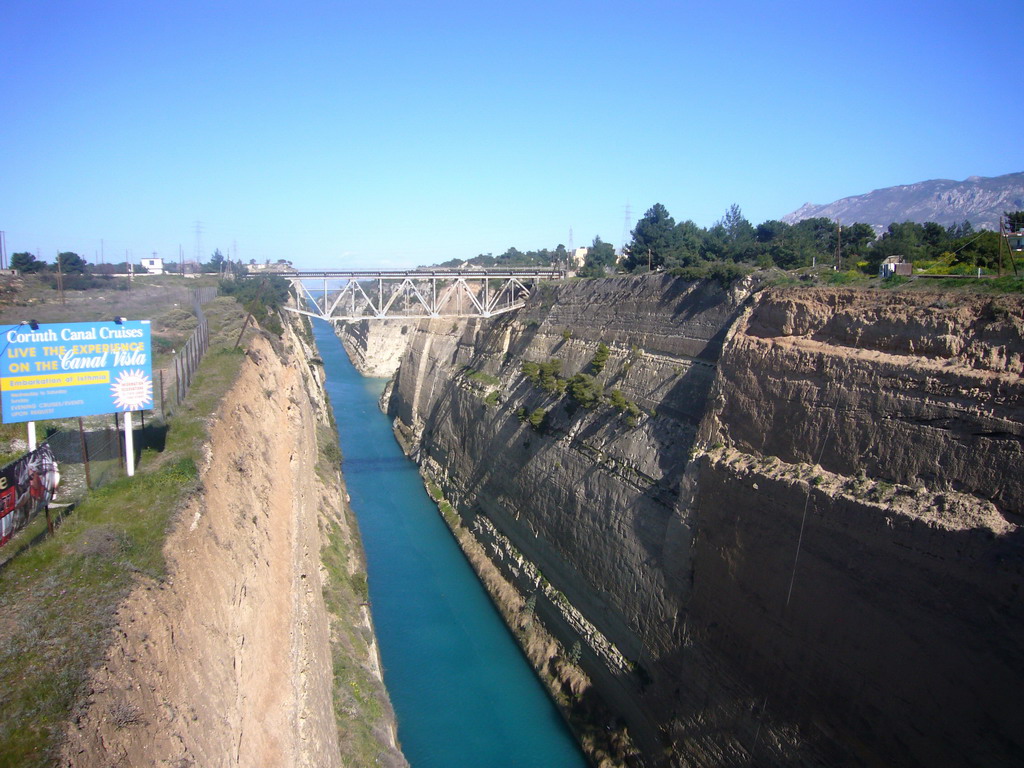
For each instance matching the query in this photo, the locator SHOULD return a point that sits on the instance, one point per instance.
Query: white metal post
(31, 435)
(129, 445)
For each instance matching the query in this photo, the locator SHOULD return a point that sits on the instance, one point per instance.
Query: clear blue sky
(357, 134)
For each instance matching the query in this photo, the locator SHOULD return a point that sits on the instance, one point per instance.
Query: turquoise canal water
(463, 692)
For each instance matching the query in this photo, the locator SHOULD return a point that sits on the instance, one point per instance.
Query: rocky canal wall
(792, 536)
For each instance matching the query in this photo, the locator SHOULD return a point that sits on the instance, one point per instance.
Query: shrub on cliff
(262, 297)
(600, 358)
(545, 375)
(725, 273)
(584, 390)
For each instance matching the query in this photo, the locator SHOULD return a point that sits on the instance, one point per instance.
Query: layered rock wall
(375, 348)
(794, 541)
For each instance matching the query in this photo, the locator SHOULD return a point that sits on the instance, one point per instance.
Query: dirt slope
(228, 662)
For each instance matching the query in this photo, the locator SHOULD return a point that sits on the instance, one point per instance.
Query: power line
(625, 227)
(199, 242)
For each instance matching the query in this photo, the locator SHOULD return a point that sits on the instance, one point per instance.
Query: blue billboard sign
(61, 370)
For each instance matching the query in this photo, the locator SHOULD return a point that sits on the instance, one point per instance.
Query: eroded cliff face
(796, 539)
(376, 348)
(859, 555)
(229, 660)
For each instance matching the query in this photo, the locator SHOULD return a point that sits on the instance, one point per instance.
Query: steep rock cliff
(859, 556)
(868, 439)
(375, 348)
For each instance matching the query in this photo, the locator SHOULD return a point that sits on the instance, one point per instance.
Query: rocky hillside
(787, 534)
(977, 199)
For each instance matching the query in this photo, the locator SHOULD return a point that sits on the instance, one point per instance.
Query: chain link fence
(91, 457)
(187, 360)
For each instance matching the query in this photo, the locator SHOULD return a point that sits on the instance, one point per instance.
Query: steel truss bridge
(415, 294)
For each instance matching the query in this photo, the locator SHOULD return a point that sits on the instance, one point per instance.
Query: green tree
(738, 231)
(216, 262)
(654, 240)
(600, 257)
(857, 238)
(600, 358)
(1014, 220)
(688, 238)
(934, 237)
(771, 231)
(964, 229)
(26, 262)
(904, 239)
(71, 263)
(584, 390)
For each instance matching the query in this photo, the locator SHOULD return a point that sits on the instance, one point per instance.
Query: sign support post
(31, 435)
(129, 446)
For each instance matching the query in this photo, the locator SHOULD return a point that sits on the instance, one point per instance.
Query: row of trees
(70, 263)
(513, 257)
(659, 242)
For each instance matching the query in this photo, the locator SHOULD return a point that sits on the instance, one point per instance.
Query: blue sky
(362, 134)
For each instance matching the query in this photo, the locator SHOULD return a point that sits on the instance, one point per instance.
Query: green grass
(59, 594)
(480, 377)
(359, 705)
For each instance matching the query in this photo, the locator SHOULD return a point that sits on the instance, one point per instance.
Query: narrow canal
(463, 692)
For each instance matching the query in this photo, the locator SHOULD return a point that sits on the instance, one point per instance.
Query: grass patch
(358, 701)
(482, 378)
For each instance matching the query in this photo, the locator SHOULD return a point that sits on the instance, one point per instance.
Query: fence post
(85, 453)
(163, 397)
(117, 436)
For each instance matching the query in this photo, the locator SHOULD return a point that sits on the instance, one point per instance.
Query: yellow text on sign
(46, 381)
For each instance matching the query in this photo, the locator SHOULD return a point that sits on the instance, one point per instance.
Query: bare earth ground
(227, 662)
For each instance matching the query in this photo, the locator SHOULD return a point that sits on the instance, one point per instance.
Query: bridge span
(415, 294)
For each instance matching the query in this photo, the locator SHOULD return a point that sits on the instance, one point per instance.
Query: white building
(154, 266)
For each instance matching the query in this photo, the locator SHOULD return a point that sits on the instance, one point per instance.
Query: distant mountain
(976, 199)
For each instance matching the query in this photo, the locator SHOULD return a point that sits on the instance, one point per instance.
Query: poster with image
(26, 487)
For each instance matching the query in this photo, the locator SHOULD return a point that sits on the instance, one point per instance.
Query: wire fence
(92, 456)
(187, 360)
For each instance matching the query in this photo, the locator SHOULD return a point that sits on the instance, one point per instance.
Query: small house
(895, 265)
(154, 266)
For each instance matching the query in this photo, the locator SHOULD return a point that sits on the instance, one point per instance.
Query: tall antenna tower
(199, 242)
(571, 248)
(625, 228)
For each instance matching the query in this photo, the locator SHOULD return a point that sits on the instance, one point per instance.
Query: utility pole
(3, 250)
(199, 242)
(625, 228)
(1004, 237)
(60, 279)
(839, 247)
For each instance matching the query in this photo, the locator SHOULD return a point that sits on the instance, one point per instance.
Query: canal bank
(463, 692)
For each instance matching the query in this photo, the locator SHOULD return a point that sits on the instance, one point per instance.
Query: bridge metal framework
(416, 294)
